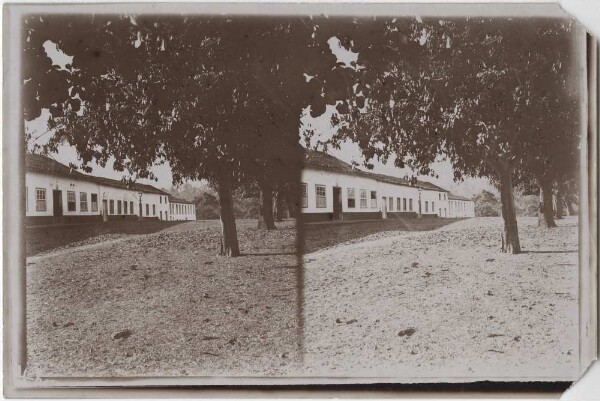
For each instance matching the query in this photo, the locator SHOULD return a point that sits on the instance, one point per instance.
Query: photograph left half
(162, 168)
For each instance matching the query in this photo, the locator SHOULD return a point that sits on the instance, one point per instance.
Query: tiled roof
(173, 199)
(323, 161)
(45, 165)
(451, 196)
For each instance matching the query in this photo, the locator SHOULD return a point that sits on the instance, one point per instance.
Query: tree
(204, 94)
(486, 204)
(468, 89)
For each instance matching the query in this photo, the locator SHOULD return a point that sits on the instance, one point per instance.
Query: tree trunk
(261, 221)
(291, 203)
(570, 208)
(229, 241)
(279, 206)
(546, 212)
(560, 206)
(510, 234)
(266, 190)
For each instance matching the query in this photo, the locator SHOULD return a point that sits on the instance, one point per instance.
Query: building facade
(459, 206)
(181, 209)
(57, 194)
(335, 190)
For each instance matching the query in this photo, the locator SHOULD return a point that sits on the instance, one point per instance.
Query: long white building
(57, 194)
(335, 190)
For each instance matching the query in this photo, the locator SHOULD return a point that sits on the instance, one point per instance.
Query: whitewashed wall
(51, 182)
(460, 208)
(182, 211)
(312, 177)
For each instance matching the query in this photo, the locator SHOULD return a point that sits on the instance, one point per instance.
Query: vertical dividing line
(300, 246)
(588, 217)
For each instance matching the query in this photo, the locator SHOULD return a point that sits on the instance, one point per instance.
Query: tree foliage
(218, 98)
(486, 204)
(479, 91)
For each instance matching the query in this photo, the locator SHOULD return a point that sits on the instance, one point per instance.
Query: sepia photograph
(303, 194)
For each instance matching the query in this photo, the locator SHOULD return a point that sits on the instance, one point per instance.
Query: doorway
(384, 208)
(57, 203)
(337, 203)
(104, 210)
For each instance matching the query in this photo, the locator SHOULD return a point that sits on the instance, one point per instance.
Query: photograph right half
(445, 202)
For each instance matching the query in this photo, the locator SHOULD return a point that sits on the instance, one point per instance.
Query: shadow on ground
(47, 238)
(324, 235)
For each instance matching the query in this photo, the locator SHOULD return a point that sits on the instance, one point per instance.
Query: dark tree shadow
(575, 251)
(269, 254)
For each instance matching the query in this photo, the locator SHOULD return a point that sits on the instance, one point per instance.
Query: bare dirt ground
(445, 303)
(164, 304)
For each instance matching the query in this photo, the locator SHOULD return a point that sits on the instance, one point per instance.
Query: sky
(348, 152)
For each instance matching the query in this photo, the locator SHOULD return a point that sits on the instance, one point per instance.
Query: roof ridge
(358, 171)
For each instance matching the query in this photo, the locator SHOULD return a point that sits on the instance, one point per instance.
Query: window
(161, 213)
(40, 199)
(83, 202)
(445, 198)
(391, 203)
(124, 207)
(131, 207)
(433, 207)
(321, 195)
(426, 206)
(410, 205)
(147, 209)
(71, 201)
(373, 199)
(363, 198)
(351, 198)
(160, 199)
(26, 198)
(94, 200)
(304, 200)
(404, 204)
(119, 207)
(153, 210)
(439, 196)
(111, 207)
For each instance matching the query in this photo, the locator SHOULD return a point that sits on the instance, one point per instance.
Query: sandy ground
(445, 303)
(164, 304)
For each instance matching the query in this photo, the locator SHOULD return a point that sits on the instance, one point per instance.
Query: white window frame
(72, 198)
(363, 197)
(304, 196)
(351, 195)
(83, 204)
(373, 200)
(94, 205)
(321, 199)
(41, 201)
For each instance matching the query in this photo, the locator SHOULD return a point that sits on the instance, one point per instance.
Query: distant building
(57, 194)
(459, 206)
(335, 190)
(181, 209)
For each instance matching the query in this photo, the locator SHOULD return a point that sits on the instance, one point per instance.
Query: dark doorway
(337, 203)
(57, 203)
(104, 210)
